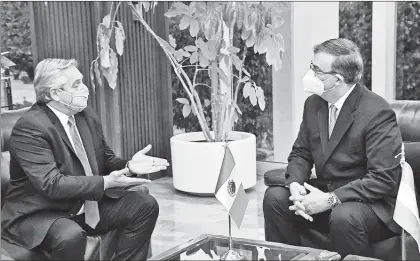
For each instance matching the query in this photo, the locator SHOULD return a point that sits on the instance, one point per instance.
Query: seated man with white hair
(61, 169)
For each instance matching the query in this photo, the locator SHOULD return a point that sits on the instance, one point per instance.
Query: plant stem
(177, 68)
(193, 65)
(235, 100)
(240, 74)
(202, 84)
(200, 108)
(115, 15)
(230, 113)
(215, 91)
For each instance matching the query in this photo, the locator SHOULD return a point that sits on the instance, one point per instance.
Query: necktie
(333, 118)
(91, 207)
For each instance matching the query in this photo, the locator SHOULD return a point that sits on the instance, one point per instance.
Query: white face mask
(314, 85)
(78, 102)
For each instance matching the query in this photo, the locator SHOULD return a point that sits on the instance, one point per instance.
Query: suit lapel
(86, 136)
(323, 123)
(59, 127)
(344, 121)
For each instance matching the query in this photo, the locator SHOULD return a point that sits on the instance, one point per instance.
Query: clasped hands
(139, 164)
(305, 204)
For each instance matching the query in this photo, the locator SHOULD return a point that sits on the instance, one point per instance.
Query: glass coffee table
(211, 247)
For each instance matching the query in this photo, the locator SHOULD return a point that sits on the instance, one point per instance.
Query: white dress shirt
(64, 119)
(339, 103)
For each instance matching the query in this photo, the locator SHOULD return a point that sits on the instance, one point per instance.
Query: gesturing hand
(118, 179)
(141, 163)
(297, 190)
(315, 202)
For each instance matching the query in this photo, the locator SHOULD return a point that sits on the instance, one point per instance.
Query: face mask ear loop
(328, 78)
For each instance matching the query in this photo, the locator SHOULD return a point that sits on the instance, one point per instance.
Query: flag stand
(231, 254)
(403, 253)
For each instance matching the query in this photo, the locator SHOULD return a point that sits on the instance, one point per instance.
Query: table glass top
(212, 247)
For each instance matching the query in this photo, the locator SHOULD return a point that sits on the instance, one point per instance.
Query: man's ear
(54, 94)
(340, 79)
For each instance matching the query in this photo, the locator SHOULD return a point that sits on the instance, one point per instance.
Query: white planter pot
(196, 163)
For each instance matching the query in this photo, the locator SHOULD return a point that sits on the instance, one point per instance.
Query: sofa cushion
(8, 120)
(16, 252)
(408, 118)
(5, 174)
(412, 157)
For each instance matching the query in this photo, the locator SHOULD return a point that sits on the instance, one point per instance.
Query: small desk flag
(406, 213)
(229, 189)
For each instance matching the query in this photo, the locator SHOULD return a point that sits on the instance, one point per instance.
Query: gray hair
(348, 62)
(47, 76)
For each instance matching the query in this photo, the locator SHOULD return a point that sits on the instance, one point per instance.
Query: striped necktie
(91, 207)
(333, 119)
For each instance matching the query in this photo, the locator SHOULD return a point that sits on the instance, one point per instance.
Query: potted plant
(197, 156)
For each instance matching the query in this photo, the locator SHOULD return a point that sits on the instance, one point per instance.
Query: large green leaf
(259, 92)
(190, 48)
(172, 41)
(146, 6)
(247, 90)
(185, 22)
(178, 8)
(119, 38)
(208, 49)
(111, 72)
(246, 33)
(250, 41)
(183, 100)
(186, 110)
(92, 78)
(180, 54)
(98, 74)
(194, 27)
(204, 62)
(193, 58)
(252, 96)
(106, 21)
(104, 54)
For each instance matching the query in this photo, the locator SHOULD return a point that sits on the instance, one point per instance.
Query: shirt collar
(64, 119)
(339, 104)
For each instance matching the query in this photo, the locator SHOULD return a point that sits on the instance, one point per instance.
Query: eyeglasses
(318, 71)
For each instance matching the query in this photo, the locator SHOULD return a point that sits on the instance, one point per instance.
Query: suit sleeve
(300, 159)
(382, 142)
(30, 147)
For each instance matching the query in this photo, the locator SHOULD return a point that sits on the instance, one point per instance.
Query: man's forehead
(73, 73)
(323, 61)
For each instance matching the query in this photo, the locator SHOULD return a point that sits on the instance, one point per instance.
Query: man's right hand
(298, 190)
(118, 179)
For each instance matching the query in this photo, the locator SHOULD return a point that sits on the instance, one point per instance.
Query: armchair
(408, 118)
(99, 247)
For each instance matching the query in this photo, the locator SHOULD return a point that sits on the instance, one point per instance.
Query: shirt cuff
(129, 174)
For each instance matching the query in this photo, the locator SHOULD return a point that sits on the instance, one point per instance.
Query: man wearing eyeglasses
(351, 136)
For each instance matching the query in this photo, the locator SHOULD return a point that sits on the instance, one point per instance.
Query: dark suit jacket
(358, 162)
(47, 180)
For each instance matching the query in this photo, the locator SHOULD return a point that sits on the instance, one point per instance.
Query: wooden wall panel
(139, 111)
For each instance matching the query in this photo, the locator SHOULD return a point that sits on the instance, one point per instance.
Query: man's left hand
(143, 164)
(314, 202)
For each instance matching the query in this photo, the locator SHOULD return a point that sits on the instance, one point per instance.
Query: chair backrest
(408, 118)
(8, 120)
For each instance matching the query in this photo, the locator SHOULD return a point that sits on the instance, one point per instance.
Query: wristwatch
(333, 200)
